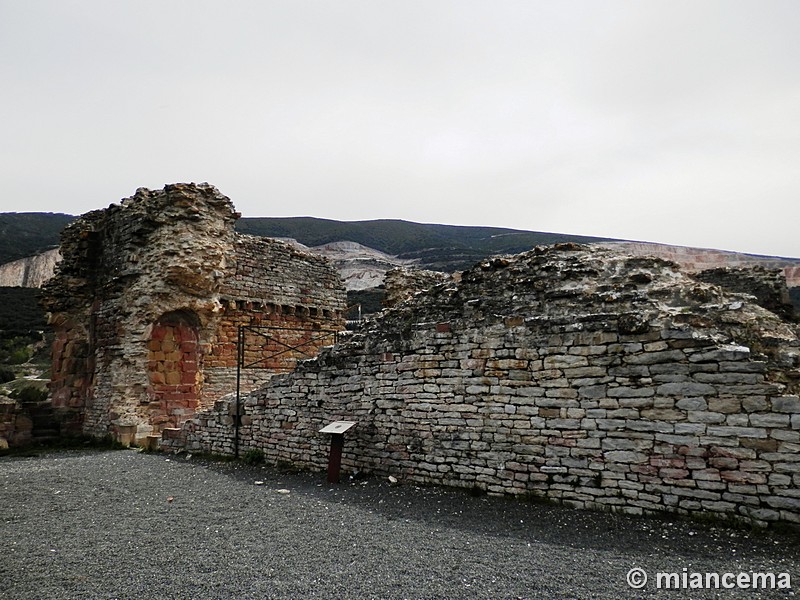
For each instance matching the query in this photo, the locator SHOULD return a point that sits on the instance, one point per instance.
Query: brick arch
(174, 369)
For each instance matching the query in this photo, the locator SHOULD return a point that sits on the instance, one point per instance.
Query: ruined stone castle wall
(767, 286)
(585, 376)
(148, 300)
(402, 283)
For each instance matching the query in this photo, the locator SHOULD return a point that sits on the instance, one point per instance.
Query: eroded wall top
(153, 245)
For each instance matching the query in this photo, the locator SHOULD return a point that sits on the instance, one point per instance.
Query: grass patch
(253, 457)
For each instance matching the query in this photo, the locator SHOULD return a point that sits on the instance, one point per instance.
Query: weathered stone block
(724, 353)
(592, 391)
(651, 358)
(692, 404)
(786, 404)
(724, 405)
(691, 389)
(630, 392)
(742, 432)
(729, 378)
(769, 420)
(663, 414)
(705, 417)
(624, 456)
(792, 504)
(563, 361)
(690, 428)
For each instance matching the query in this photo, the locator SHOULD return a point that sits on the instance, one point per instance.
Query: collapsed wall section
(695, 260)
(768, 286)
(582, 375)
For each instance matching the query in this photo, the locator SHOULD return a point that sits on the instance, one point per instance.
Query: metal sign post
(337, 430)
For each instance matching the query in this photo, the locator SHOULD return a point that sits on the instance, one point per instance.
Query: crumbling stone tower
(147, 304)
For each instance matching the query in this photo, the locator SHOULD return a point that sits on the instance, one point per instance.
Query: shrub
(29, 393)
(253, 457)
(19, 356)
(7, 375)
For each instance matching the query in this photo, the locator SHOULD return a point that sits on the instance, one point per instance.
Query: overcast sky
(669, 121)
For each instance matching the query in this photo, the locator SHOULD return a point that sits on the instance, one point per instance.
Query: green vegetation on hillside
(22, 323)
(20, 312)
(26, 234)
(23, 329)
(438, 247)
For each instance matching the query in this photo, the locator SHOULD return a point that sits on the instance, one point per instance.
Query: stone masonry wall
(147, 302)
(583, 375)
(402, 283)
(292, 301)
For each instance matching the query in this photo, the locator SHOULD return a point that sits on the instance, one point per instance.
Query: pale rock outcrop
(32, 271)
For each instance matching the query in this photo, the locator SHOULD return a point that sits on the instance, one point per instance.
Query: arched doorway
(175, 373)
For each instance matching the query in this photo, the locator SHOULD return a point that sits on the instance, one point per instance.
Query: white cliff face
(360, 267)
(32, 271)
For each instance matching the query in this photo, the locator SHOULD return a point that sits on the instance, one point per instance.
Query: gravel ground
(124, 524)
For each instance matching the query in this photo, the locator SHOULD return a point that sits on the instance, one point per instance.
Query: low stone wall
(584, 376)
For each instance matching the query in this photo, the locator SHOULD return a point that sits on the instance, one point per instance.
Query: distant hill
(437, 247)
(20, 311)
(26, 234)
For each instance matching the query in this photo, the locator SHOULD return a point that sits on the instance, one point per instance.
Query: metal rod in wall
(239, 362)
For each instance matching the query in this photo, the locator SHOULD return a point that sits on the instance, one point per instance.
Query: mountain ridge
(437, 247)
(364, 250)
(431, 246)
